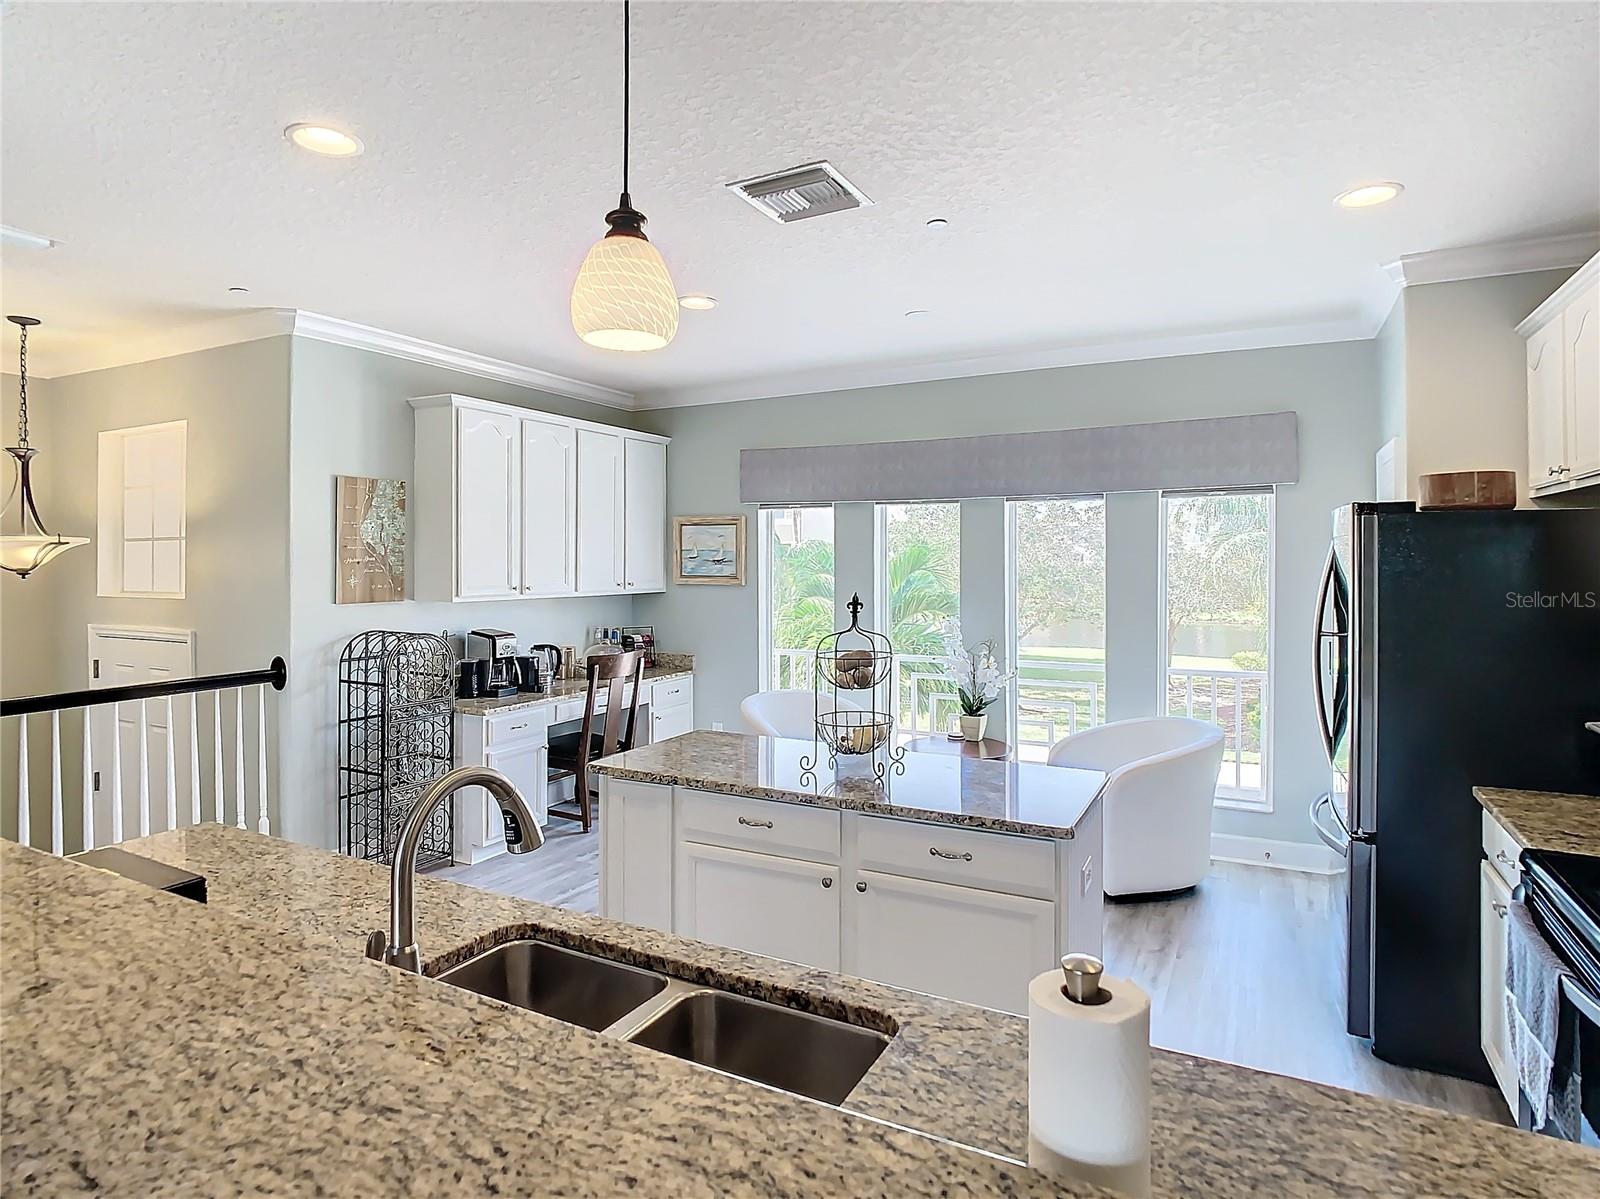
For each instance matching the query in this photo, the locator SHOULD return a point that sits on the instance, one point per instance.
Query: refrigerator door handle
(1331, 584)
(1333, 832)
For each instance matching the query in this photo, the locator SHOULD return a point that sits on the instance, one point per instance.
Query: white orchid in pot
(980, 680)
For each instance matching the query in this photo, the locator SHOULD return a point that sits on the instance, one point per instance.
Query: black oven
(1562, 891)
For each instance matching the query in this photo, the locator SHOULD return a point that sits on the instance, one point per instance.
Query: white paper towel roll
(1089, 1085)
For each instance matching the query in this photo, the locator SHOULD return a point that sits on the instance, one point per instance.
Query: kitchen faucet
(522, 836)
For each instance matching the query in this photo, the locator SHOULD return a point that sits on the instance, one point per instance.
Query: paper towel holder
(1083, 973)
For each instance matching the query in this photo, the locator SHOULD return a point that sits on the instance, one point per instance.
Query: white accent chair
(1162, 780)
(788, 713)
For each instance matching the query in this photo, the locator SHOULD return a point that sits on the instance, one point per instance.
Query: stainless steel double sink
(791, 1050)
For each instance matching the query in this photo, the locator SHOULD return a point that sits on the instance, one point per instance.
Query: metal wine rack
(396, 736)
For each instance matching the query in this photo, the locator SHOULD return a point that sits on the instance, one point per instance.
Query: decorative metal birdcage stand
(396, 736)
(859, 663)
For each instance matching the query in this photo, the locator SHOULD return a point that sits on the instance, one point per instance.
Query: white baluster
(88, 781)
(116, 774)
(23, 818)
(261, 756)
(144, 771)
(172, 775)
(194, 760)
(238, 752)
(56, 846)
(216, 778)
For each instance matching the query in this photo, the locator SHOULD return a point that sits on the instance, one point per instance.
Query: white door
(1546, 407)
(760, 903)
(549, 508)
(599, 511)
(1493, 906)
(644, 523)
(488, 508)
(523, 762)
(124, 658)
(1581, 334)
(958, 942)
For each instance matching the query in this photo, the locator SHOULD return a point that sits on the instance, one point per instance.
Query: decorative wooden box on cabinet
(1564, 385)
(513, 503)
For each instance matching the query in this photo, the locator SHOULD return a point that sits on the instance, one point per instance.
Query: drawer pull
(1500, 909)
(748, 823)
(949, 857)
(517, 728)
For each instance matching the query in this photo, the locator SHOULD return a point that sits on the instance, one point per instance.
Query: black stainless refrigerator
(1453, 650)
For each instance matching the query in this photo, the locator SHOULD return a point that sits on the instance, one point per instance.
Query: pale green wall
(1333, 388)
(349, 416)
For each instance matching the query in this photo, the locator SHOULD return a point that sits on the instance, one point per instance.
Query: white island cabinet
(853, 875)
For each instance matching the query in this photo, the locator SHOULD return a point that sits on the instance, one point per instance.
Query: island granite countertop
(1026, 798)
(155, 1046)
(1545, 819)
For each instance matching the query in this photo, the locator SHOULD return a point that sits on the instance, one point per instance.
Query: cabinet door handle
(1500, 909)
(748, 823)
(826, 883)
(949, 857)
(1500, 856)
(862, 887)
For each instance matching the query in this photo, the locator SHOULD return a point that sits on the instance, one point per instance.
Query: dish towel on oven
(1533, 1009)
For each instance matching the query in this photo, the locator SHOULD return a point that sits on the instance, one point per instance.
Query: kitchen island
(154, 1046)
(958, 877)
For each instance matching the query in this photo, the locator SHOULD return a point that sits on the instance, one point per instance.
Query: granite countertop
(1545, 819)
(668, 666)
(155, 1046)
(1026, 798)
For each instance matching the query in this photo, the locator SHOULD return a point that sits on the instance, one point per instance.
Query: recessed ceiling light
(938, 222)
(917, 313)
(1368, 194)
(324, 140)
(696, 302)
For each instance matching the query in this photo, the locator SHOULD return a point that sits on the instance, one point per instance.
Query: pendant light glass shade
(623, 298)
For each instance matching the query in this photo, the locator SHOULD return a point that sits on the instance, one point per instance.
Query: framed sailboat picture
(708, 549)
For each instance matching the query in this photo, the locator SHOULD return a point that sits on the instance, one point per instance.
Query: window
(1216, 587)
(919, 593)
(142, 524)
(1057, 600)
(796, 591)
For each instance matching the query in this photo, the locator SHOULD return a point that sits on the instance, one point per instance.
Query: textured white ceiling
(1108, 170)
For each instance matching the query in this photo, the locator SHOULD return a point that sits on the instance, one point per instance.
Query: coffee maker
(499, 648)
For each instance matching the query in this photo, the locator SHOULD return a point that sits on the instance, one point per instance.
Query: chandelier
(32, 545)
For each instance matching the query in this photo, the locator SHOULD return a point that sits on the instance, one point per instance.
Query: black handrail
(277, 674)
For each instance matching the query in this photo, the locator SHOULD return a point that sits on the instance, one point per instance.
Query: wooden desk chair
(571, 753)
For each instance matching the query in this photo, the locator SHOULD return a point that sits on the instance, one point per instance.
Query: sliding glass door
(1057, 599)
(919, 593)
(797, 585)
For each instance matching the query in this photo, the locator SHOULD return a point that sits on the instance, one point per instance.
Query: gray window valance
(1226, 451)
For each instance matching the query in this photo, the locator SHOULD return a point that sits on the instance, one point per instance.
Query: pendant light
(623, 298)
(26, 550)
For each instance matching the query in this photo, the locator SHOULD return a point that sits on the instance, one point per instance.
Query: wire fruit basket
(852, 695)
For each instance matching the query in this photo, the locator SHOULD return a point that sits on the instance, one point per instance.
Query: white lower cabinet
(976, 946)
(1494, 904)
(780, 907)
(525, 764)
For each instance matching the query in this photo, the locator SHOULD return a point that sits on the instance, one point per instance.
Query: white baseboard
(1282, 855)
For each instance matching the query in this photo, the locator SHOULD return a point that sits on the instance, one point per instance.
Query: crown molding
(414, 349)
(854, 376)
(1493, 258)
(257, 323)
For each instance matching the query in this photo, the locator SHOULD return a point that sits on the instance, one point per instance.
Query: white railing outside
(1235, 701)
(140, 784)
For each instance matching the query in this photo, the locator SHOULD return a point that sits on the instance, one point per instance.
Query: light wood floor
(1244, 970)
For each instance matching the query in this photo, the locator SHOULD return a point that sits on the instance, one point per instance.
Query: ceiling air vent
(815, 189)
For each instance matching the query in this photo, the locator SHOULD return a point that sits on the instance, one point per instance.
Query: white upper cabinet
(644, 497)
(600, 511)
(549, 508)
(1564, 385)
(510, 503)
(489, 510)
